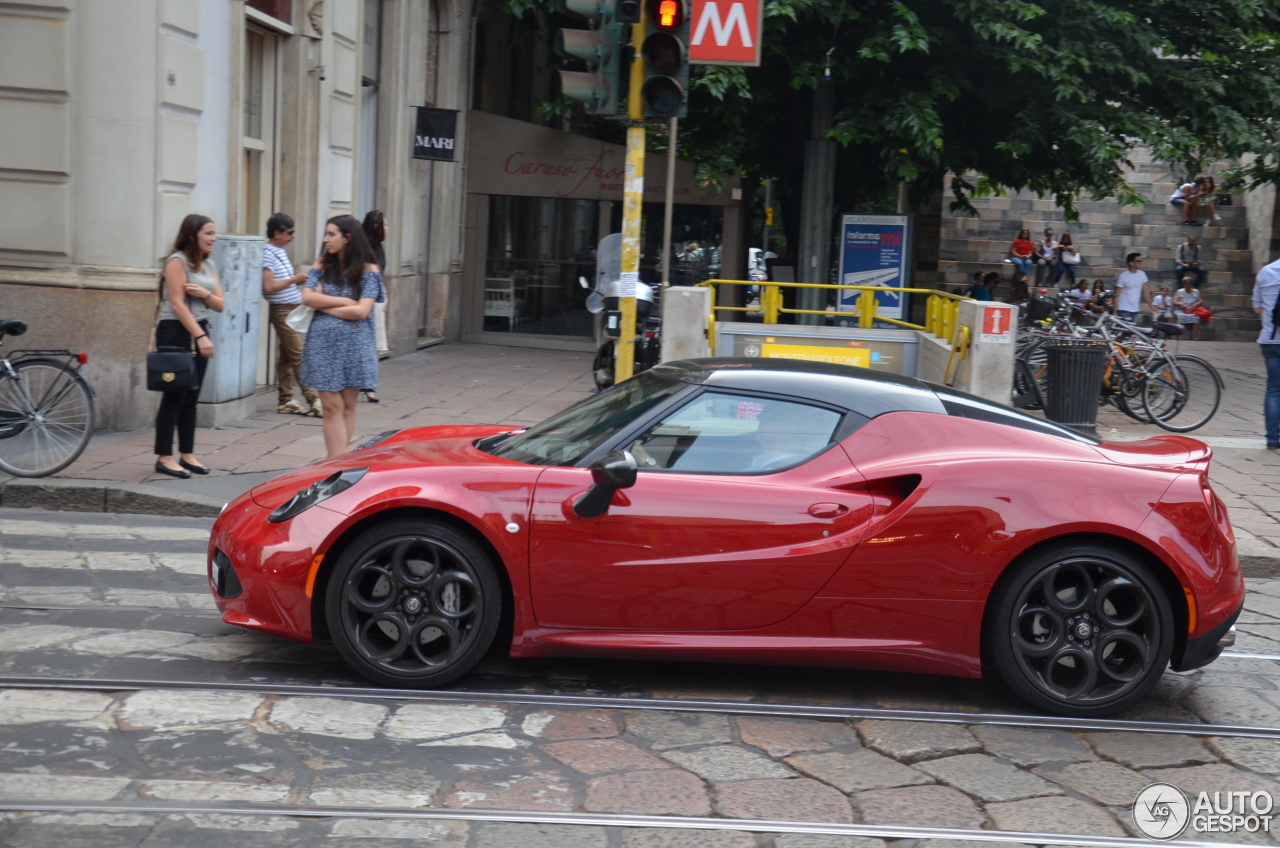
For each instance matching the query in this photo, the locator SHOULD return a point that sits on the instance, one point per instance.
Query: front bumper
(270, 564)
(1203, 650)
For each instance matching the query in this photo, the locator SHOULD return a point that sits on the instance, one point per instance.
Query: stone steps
(1105, 232)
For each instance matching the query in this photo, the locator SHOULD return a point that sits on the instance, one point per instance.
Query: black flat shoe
(180, 473)
(192, 467)
(372, 397)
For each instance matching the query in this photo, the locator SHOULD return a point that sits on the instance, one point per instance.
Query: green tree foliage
(1046, 95)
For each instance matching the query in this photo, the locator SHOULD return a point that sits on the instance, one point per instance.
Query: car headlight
(317, 492)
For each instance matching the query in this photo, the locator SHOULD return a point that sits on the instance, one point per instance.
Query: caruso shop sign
(434, 134)
(516, 158)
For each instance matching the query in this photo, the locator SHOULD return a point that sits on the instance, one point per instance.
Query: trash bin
(1074, 377)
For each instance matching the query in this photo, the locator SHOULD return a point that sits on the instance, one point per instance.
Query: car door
(740, 513)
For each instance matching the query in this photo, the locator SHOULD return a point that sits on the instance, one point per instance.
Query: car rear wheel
(413, 603)
(1081, 630)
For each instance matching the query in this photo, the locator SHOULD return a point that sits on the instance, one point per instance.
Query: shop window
(259, 131)
(695, 242)
(538, 247)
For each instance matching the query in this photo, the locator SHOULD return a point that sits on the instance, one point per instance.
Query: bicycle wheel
(1182, 393)
(1036, 355)
(1127, 393)
(46, 417)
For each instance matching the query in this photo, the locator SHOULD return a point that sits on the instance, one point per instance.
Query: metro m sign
(726, 32)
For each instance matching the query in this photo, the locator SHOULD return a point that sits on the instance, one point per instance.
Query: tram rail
(772, 826)
(801, 711)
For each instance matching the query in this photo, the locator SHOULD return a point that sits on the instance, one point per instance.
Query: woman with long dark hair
(1021, 254)
(340, 358)
(375, 229)
(1068, 259)
(189, 291)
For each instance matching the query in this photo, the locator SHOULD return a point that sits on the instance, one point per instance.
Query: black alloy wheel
(414, 603)
(1081, 630)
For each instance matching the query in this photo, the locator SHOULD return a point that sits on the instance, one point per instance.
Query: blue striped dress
(341, 354)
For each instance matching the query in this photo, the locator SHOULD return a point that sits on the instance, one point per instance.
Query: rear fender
(1193, 533)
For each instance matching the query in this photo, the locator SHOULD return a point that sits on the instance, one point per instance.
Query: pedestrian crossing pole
(632, 200)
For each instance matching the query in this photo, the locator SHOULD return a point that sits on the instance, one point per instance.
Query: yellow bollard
(711, 322)
(867, 309)
(771, 299)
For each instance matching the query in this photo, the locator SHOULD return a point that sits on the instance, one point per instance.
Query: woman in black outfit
(189, 291)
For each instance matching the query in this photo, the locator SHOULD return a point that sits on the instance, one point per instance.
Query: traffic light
(600, 47)
(666, 58)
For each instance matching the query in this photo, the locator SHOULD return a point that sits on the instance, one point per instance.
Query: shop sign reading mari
(435, 133)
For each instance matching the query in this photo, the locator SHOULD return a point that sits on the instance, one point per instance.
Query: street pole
(768, 209)
(632, 198)
(673, 128)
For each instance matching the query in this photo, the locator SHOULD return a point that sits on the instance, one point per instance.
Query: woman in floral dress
(340, 358)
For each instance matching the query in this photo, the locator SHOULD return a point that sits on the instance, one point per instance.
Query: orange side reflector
(1191, 608)
(315, 569)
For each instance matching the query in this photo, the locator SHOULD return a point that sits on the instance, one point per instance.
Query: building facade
(120, 117)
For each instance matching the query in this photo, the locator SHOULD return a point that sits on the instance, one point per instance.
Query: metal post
(632, 200)
(673, 127)
(817, 202)
(768, 206)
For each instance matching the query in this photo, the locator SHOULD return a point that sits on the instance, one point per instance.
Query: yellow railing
(941, 309)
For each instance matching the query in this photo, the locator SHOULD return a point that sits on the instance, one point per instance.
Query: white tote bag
(299, 320)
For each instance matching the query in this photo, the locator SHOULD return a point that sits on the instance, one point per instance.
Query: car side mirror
(611, 472)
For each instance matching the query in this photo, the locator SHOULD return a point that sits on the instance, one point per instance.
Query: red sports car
(751, 510)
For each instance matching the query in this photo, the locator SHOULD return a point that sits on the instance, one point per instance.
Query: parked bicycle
(1175, 391)
(46, 408)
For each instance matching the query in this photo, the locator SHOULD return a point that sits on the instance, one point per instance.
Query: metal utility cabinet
(230, 384)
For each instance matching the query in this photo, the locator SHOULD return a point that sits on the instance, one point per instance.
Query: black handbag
(171, 369)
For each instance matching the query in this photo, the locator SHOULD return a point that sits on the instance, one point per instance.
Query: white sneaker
(316, 409)
(292, 407)
(1217, 217)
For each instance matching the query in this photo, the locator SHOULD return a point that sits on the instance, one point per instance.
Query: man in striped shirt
(280, 287)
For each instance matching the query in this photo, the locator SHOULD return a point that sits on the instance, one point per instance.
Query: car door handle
(827, 510)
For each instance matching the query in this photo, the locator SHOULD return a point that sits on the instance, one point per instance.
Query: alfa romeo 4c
(751, 510)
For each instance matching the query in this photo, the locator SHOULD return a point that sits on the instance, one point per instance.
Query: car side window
(719, 433)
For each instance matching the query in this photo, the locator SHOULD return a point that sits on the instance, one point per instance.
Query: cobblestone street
(89, 596)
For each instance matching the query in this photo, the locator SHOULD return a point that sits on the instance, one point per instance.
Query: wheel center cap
(413, 605)
(1084, 630)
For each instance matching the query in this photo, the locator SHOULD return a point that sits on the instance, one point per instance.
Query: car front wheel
(413, 603)
(1081, 630)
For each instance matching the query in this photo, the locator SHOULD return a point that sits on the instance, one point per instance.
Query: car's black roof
(861, 390)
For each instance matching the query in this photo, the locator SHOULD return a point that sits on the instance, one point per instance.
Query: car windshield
(565, 438)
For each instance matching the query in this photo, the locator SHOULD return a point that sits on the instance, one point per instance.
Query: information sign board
(875, 250)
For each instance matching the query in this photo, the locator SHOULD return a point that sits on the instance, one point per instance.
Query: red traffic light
(666, 14)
